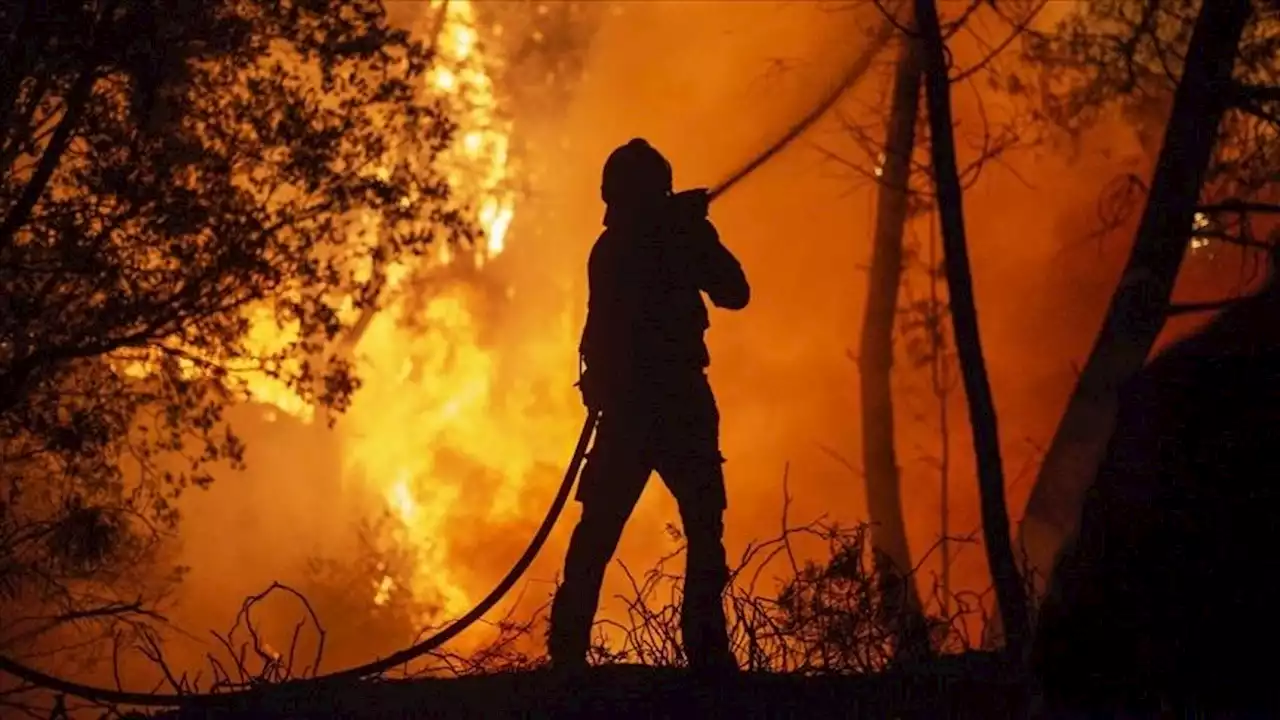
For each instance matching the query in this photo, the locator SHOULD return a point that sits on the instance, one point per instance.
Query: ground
(966, 687)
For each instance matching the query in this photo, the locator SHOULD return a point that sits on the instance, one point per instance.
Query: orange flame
(430, 392)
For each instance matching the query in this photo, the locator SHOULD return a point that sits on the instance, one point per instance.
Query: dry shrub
(824, 617)
(819, 617)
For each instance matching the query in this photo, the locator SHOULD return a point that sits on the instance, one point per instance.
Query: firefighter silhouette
(645, 372)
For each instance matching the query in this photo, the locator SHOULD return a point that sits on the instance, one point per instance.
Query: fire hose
(104, 695)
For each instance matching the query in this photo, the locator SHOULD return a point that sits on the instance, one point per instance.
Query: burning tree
(195, 202)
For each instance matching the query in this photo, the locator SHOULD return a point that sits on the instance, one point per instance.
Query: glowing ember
(1199, 223)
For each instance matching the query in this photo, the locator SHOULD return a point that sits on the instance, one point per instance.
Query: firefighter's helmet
(635, 170)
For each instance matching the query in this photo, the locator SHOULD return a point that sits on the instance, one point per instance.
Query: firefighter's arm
(603, 346)
(720, 274)
(599, 301)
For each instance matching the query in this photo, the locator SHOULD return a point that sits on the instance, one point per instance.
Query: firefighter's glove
(691, 206)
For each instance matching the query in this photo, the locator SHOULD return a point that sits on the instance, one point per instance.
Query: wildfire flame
(428, 392)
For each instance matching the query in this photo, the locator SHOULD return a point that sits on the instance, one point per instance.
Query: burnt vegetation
(167, 171)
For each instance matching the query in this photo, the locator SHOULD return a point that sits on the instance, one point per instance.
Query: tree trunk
(964, 319)
(1140, 302)
(884, 497)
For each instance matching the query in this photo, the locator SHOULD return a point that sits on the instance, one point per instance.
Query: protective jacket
(645, 314)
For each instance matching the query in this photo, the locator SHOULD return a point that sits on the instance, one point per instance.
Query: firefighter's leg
(611, 484)
(699, 490)
(692, 468)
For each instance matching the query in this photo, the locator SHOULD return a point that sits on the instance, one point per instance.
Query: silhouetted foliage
(820, 641)
(1128, 55)
(194, 195)
(1213, 96)
(824, 616)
